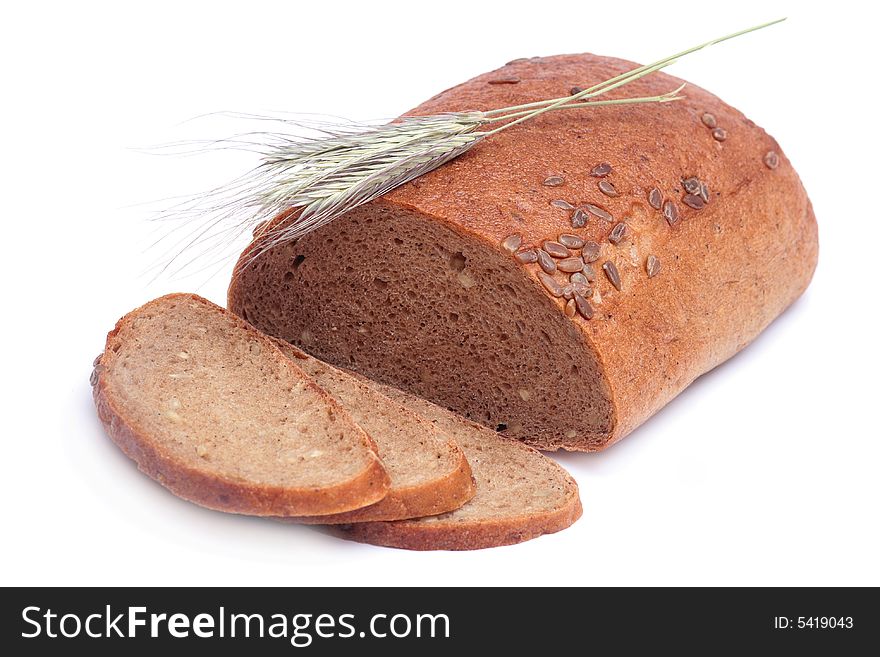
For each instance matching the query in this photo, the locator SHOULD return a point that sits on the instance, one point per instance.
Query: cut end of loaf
(405, 300)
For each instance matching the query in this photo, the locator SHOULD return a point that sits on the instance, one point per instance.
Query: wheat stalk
(351, 164)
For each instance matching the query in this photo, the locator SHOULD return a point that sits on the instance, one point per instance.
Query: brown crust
(477, 535)
(728, 269)
(212, 491)
(431, 498)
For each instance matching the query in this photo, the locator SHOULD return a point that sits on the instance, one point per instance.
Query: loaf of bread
(213, 411)
(564, 279)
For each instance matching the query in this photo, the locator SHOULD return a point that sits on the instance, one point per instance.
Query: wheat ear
(351, 164)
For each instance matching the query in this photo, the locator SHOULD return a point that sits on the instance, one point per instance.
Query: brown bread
(429, 473)
(211, 409)
(521, 494)
(448, 286)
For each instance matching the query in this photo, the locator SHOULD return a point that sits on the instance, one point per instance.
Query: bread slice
(521, 494)
(211, 409)
(429, 472)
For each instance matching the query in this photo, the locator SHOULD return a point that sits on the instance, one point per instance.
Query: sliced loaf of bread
(562, 312)
(211, 409)
(429, 472)
(521, 494)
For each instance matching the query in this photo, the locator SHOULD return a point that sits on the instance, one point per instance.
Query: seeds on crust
(511, 243)
(589, 272)
(581, 288)
(562, 204)
(695, 188)
(691, 185)
(590, 251)
(571, 241)
(575, 90)
(607, 188)
(551, 284)
(655, 198)
(771, 159)
(617, 233)
(526, 256)
(578, 219)
(553, 181)
(694, 201)
(709, 120)
(583, 307)
(611, 273)
(555, 249)
(652, 266)
(570, 309)
(601, 170)
(719, 134)
(599, 212)
(546, 262)
(97, 359)
(93, 377)
(670, 211)
(570, 265)
(510, 79)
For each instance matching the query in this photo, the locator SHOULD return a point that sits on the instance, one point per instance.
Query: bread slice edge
(409, 535)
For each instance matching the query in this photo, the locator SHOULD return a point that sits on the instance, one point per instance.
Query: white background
(765, 471)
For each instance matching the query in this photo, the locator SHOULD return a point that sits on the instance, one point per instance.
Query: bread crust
(439, 496)
(222, 494)
(728, 269)
(413, 535)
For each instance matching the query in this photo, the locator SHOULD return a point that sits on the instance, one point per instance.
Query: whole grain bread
(211, 409)
(521, 494)
(692, 227)
(428, 470)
